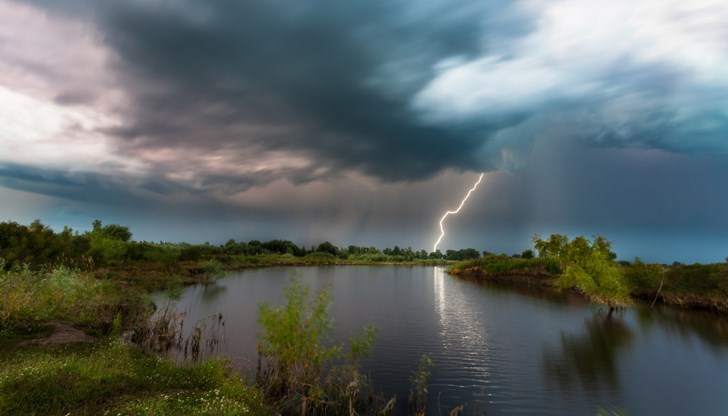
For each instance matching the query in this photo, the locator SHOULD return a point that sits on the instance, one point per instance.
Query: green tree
(588, 266)
(327, 247)
(108, 243)
(551, 248)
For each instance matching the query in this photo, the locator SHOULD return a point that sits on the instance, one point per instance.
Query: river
(496, 349)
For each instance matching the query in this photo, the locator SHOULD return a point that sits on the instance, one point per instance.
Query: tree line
(37, 245)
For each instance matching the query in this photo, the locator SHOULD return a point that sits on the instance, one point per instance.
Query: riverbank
(61, 351)
(503, 269)
(62, 327)
(696, 286)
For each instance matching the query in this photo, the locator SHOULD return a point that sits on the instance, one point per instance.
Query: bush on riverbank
(300, 369)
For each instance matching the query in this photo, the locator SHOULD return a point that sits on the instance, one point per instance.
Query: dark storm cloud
(329, 81)
(396, 90)
(309, 113)
(145, 198)
(82, 186)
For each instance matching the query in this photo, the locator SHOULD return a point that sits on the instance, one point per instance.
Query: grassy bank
(301, 369)
(509, 268)
(695, 286)
(106, 377)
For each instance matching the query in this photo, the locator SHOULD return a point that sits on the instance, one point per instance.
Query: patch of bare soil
(63, 333)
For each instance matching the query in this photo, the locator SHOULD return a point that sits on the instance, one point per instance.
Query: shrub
(300, 368)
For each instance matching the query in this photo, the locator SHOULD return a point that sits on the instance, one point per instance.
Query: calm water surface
(498, 350)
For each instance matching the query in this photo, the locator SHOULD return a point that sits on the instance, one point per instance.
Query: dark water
(498, 350)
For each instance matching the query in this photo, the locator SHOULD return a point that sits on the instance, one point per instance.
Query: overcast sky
(361, 122)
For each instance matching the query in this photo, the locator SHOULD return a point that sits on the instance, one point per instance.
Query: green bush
(300, 368)
(588, 266)
(643, 277)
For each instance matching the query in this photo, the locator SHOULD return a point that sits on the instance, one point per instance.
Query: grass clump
(107, 377)
(31, 298)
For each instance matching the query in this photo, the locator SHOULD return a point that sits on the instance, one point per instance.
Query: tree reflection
(710, 327)
(211, 292)
(589, 359)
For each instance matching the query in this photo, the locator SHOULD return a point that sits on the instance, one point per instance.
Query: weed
(300, 369)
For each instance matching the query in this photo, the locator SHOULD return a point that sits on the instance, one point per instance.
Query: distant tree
(111, 231)
(327, 247)
(254, 248)
(527, 254)
(464, 254)
(435, 255)
(282, 247)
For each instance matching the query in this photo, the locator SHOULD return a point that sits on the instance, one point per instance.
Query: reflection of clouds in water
(464, 337)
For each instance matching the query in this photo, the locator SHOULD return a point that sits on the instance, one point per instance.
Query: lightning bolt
(442, 230)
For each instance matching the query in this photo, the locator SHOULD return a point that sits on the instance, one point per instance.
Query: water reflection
(502, 349)
(463, 366)
(550, 294)
(211, 292)
(590, 359)
(460, 325)
(710, 327)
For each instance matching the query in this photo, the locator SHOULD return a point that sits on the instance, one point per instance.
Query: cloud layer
(225, 101)
(264, 90)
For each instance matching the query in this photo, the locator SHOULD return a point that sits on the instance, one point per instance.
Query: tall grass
(30, 298)
(505, 265)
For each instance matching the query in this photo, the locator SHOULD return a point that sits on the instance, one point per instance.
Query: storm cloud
(235, 101)
(403, 90)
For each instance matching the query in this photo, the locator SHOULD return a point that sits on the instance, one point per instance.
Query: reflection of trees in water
(710, 327)
(211, 291)
(589, 358)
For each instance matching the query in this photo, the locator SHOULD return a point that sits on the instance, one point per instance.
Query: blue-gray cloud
(403, 90)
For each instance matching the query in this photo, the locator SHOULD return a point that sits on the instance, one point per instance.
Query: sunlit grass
(30, 298)
(107, 377)
(505, 264)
